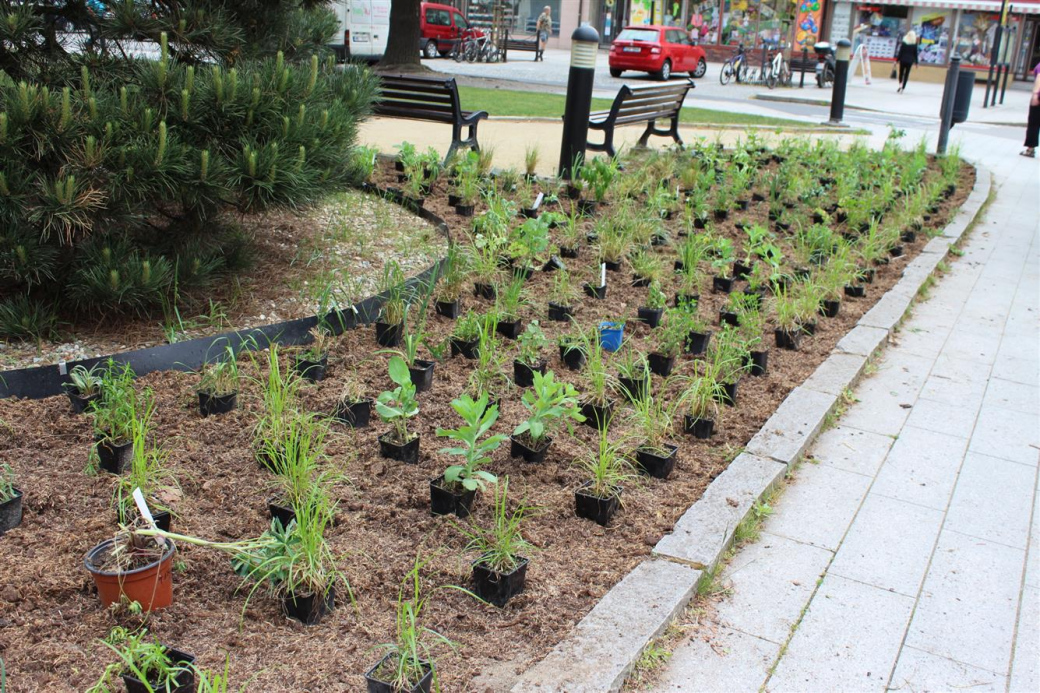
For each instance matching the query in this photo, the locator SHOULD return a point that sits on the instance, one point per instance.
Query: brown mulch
(51, 619)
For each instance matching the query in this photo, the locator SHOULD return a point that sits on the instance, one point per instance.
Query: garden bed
(51, 621)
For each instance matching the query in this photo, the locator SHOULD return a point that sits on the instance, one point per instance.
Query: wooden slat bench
(641, 105)
(433, 99)
(524, 43)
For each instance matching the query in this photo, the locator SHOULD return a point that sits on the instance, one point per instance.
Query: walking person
(1033, 124)
(543, 27)
(906, 56)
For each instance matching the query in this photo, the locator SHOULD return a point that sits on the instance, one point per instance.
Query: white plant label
(603, 274)
(142, 507)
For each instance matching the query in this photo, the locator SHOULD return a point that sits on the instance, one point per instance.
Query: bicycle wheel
(742, 73)
(726, 74)
(770, 78)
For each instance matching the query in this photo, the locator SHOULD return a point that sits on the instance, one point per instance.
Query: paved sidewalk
(904, 555)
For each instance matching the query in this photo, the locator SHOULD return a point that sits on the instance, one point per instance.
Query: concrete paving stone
(848, 640)
(793, 426)
(1032, 578)
(1019, 347)
(1019, 370)
(932, 315)
(917, 271)
(706, 528)
(975, 348)
(726, 661)
(887, 312)
(939, 244)
(921, 672)
(818, 506)
(600, 651)
(1025, 665)
(921, 468)
(1008, 394)
(1007, 434)
(993, 500)
(918, 341)
(969, 602)
(943, 418)
(851, 449)
(888, 545)
(770, 583)
(862, 340)
(955, 381)
(836, 374)
(885, 399)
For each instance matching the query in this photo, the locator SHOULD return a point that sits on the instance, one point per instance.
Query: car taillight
(655, 50)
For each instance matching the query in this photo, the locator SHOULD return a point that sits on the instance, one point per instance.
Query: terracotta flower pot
(151, 586)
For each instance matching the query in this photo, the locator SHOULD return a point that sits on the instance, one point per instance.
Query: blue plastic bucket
(611, 334)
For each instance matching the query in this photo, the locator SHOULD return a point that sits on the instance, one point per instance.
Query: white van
(363, 28)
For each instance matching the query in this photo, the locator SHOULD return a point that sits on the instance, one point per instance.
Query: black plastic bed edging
(46, 381)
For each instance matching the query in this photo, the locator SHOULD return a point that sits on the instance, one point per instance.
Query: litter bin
(962, 97)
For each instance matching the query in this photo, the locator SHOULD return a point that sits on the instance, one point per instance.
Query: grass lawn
(507, 102)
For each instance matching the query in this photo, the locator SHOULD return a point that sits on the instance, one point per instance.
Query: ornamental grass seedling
(501, 546)
(141, 657)
(6, 483)
(87, 381)
(147, 471)
(220, 378)
(607, 466)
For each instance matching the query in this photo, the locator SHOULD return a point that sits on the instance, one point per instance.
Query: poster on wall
(934, 38)
(639, 12)
(810, 14)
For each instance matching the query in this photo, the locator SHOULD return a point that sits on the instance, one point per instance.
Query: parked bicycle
(476, 49)
(735, 67)
(777, 70)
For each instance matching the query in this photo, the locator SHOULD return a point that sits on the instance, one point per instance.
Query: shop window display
(703, 22)
(880, 28)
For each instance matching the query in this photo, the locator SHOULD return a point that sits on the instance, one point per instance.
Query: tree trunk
(402, 46)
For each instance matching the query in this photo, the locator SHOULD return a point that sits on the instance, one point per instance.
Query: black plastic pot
(517, 448)
(720, 214)
(553, 263)
(422, 375)
(523, 374)
(11, 512)
(686, 299)
(309, 609)
(697, 343)
(210, 404)
(656, 465)
(113, 457)
(184, 682)
(378, 685)
(454, 200)
(449, 309)
(279, 510)
(444, 501)
(660, 364)
(651, 316)
(560, 313)
(701, 429)
(809, 328)
(498, 588)
(855, 291)
(728, 396)
(758, 197)
(163, 518)
(314, 371)
(787, 339)
(742, 205)
(510, 329)
(640, 282)
(389, 335)
(407, 453)
(722, 285)
(829, 309)
(524, 273)
(700, 222)
(468, 348)
(869, 274)
(728, 317)
(79, 402)
(636, 389)
(587, 207)
(482, 290)
(759, 362)
(741, 271)
(599, 292)
(896, 251)
(568, 252)
(782, 226)
(573, 357)
(612, 266)
(354, 414)
(596, 416)
(464, 210)
(599, 510)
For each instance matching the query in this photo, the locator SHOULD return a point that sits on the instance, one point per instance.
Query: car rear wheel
(430, 50)
(666, 71)
(702, 67)
(615, 72)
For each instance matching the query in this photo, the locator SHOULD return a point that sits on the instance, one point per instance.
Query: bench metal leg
(672, 131)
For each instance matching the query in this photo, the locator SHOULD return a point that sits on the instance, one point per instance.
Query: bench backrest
(647, 103)
(418, 97)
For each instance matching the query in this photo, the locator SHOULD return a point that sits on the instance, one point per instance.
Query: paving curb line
(780, 98)
(603, 647)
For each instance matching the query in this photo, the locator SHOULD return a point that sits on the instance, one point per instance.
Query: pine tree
(115, 170)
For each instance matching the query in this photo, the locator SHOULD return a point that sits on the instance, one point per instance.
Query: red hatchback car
(659, 50)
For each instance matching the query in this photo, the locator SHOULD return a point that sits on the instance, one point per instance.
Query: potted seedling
(454, 491)
(700, 401)
(633, 375)
(500, 571)
(526, 243)
(614, 242)
(788, 333)
(420, 370)
(390, 325)
(562, 297)
(354, 407)
(218, 385)
(528, 200)
(465, 338)
(597, 288)
(395, 407)
(10, 500)
(550, 403)
(727, 363)
(651, 312)
(721, 261)
(281, 401)
(484, 258)
(300, 473)
(448, 290)
(84, 386)
(670, 340)
(646, 267)
(607, 468)
(597, 383)
(114, 416)
(530, 360)
(652, 420)
(489, 375)
(312, 361)
(530, 163)
(133, 566)
(145, 665)
(751, 326)
(510, 302)
(570, 235)
(467, 190)
(572, 351)
(148, 472)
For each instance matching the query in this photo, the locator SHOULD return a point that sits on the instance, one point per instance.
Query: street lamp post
(842, 54)
(584, 45)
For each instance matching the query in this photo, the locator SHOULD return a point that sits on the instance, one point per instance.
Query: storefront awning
(970, 5)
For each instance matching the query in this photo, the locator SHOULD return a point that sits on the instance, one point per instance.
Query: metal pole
(946, 109)
(841, 78)
(584, 42)
(805, 61)
(994, 57)
(1003, 88)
